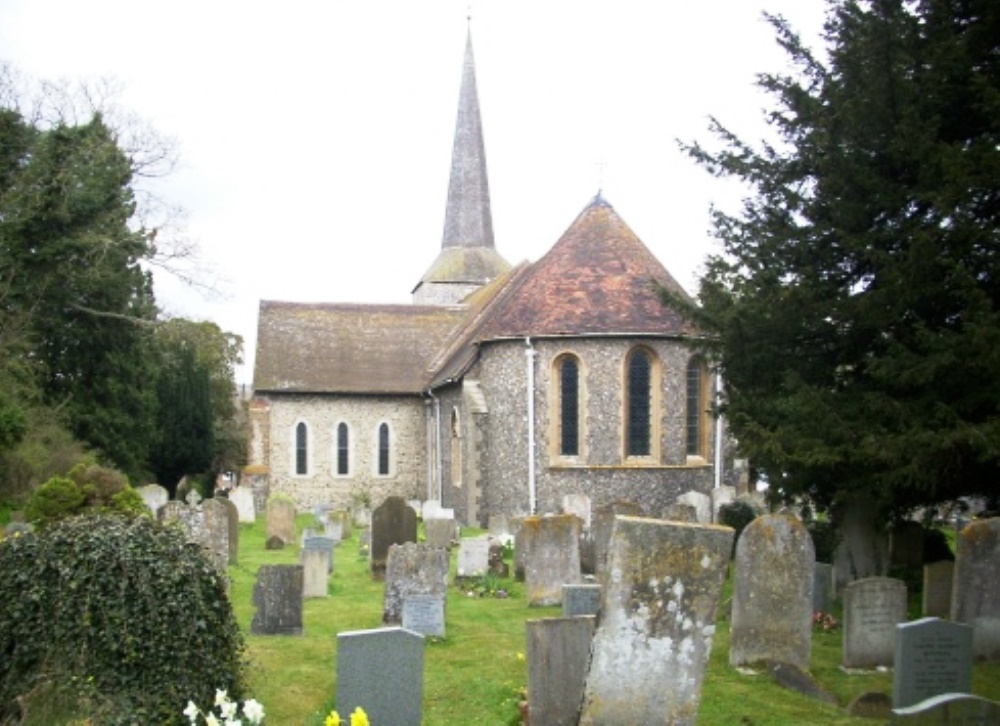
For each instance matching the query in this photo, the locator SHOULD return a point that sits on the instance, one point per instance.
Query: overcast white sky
(315, 136)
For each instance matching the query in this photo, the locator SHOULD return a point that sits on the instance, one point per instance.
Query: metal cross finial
(601, 167)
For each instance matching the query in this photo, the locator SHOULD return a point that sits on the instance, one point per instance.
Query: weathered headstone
(278, 597)
(361, 516)
(678, 512)
(600, 530)
(346, 523)
(499, 525)
(953, 709)
(581, 599)
(315, 572)
(936, 596)
(702, 504)
(932, 657)
(334, 529)
(233, 515)
(440, 532)
(873, 607)
(154, 496)
(863, 549)
(215, 532)
(382, 672)
(414, 568)
(657, 622)
(281, 518)
(578, 504)
(324, 545)
(473, 557)
(553, 557)
(424, 614)
(520, 545)
(432, 509)
(976, 589)
(243, 499)
(773, 593)
(393, 522)
(558, 653)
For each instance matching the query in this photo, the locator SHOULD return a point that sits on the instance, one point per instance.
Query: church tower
(468, 258)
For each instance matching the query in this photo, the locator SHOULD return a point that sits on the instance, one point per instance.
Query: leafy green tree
(855, 298)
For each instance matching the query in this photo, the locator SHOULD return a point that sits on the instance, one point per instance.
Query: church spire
(468, 221)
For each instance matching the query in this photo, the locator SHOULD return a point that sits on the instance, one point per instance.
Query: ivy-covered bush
(120, 616)
(86, 487)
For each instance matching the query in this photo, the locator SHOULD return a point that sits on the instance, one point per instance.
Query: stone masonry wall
(363, 415)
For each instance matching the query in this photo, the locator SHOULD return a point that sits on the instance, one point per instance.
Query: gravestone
(281, 518)
(334, 529)
(278, 597)
(578, 504)
(346, 524)
(863, 549)
(873, 607)
(520, 544)
(382, 672)
(952, 709)
(773, 593)
(552, 557)
(721, 495)
(936, 596)
(497, 565)
(414, 568)
(822, 587)
(600, 531)
(154, 496)
(393, 522)
(215, 532)
(678, 512)
(361, 516)
(432, 509)
(976, 589)
(440, 532)
(315, 572)
(322, 544)
(473, 557)
(558, 653)
(233, 515)
(932, 657)
(581, 599)
(364, 543)
(243, 499)
(702, 504)
(652, 645)
(499, 526)
(424, 614)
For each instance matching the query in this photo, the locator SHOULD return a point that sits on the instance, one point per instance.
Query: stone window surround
(654, 457)
(335, 458)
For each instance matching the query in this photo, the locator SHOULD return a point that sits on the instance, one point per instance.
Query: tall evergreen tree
(856, 297)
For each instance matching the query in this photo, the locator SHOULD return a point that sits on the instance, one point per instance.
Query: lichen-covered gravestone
(873, 607)
(552, 545)
(413, 568)
(657, 622)
(773, 593)
(278, 597)
(281, 518)
(976, 588)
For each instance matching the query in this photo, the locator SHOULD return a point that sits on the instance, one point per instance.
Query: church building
(501, 389)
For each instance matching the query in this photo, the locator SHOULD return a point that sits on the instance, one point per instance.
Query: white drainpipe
(530, 357)
(434, 452)
(718, 433)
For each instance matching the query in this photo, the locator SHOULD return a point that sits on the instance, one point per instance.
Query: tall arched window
(343, 449)
(383, 449)
(638, 423)
(301, 449)
(698, 409)
(569, 406)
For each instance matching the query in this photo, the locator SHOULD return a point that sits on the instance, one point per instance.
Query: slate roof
(598, 279)
(349, 348)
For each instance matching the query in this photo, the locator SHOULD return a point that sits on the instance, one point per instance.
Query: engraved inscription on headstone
(933, 657)
(424, 614)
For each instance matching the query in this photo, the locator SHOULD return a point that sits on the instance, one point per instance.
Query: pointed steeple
(468, 258)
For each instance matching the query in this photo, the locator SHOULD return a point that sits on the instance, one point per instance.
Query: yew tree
(855, 297)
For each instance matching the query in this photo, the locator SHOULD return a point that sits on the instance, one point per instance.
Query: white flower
(191, 711)
(227, 709)
(211, 720)
(221, 697)
(253, 711)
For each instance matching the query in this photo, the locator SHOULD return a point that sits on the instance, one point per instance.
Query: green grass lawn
(477, 674)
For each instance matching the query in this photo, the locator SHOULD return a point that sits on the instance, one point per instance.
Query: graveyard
(478, 671)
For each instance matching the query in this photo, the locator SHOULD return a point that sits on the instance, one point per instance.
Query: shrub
(56, 499)
(128, 620)
(737, 515)
(86, 487)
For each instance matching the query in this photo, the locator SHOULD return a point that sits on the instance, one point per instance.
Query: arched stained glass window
(638, 425)
(383, 449)
(569, 406)
(343, 449)
(301, 449)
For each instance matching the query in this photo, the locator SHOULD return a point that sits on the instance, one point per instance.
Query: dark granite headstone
(278, 597)
(933, 657)
(393, 522)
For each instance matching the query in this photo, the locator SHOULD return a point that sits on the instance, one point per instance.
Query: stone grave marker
(499, 525)
(440, 532)
(243, 499)
(382, 671)
(234, 529)
(976, 589)
(417, 506)
(952, 709)
(520, 544)
(936, 596)
(652, 645)
(215, 532)
(553, 557)
(432, 509)
(678, 512)
(281, 518)
(364, 542)
(334, 529)
(863, 550)
(424, 614)
(346, 523)
(873, 607)
(773, 593)
(581, 599)
(278, 597)
(822, 587)
(558, 654)
(702, 504)
(323, 544)
(497, 565)
(361, 516)
(473, 557)
(932, 657)
(413, 568)
(723, 494)
(393, 522)
(578, 504)
(600, 531)
(315, 572)
(154, 496)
